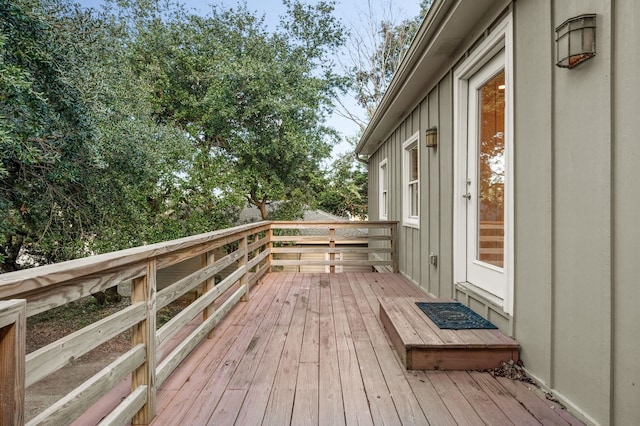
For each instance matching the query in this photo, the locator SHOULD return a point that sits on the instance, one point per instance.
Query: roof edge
(436, 14)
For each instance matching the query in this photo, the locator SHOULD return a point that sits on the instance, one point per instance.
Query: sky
(350, 12)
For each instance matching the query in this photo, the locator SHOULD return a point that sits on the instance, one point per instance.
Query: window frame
(383, 180)
(410, 187)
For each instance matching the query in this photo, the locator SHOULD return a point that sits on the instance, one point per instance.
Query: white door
(486, 179)
(483, 169)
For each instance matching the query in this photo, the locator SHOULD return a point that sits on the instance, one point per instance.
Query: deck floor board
(311, 349)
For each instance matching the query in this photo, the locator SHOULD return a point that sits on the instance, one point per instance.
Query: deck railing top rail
(15, 283)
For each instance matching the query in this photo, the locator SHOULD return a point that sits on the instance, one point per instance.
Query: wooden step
(422, 345)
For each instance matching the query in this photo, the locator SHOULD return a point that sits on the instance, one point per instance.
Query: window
(411, 182)
(383, 173)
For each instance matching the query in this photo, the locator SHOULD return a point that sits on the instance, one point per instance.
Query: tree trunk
(263, 210)
(261, 204)
(11, 252)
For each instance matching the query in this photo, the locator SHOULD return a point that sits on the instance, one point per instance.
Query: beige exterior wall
(563, 207)
(577, 237)
(625, 325)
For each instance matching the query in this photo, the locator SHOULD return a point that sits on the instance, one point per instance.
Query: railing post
(144, 290)
(242, 263)
(270, 247)
(394, 248)
(332, 245)
(208, 286)
(13, 314)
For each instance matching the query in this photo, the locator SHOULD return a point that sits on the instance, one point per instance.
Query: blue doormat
(453, 316)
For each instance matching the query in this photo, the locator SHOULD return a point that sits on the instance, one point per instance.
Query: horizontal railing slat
(191, 311)
(328, 250)
(174, 359)
(52, 297)
(310, 224)
(187, 283)
(56, 355)
(311, 262)
(71, 406)
(324, 239)
(259, 258)
(123, 413)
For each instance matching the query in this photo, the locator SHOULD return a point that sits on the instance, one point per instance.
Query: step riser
(416, 354)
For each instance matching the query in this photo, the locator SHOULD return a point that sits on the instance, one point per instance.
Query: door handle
(467, 196)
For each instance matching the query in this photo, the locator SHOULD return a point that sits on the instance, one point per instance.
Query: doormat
(453, 316)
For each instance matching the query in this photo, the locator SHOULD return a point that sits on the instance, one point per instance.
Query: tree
(44, 123)
(79, 156)
(252, 102)
(375, 49)
(373, 55)
(344, 191)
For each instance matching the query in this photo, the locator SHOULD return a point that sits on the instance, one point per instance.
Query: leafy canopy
(146, 122)
(253, 102)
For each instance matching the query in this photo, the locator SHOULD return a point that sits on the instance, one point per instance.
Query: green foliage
(145, 122)
(44, 125)
(344, 192)
(81, 153)
(252, 102)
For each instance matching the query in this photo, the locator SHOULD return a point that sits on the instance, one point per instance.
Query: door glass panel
(491, 169)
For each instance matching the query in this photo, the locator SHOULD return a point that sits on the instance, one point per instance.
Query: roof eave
(434, 48)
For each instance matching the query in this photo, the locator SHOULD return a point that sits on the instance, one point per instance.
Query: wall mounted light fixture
(576, 41)
(431, 137)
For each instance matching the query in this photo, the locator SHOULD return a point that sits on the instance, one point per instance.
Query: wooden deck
(422, 345)
(311, 349)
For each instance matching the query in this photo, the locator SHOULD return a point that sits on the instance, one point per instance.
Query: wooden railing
(249, 252)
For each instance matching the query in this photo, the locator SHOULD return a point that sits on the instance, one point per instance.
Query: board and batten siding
(577, 232)
(625, 322)
(576, 202)
(435, 233)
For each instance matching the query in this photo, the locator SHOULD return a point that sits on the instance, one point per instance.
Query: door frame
(501, 37)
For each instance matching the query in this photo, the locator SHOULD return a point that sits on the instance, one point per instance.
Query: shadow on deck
(312, 349)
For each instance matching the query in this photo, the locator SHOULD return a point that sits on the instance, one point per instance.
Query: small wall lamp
(576, 41)
(431, 137)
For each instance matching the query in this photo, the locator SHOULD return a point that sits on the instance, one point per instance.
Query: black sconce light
(576, 41)
(431, 137)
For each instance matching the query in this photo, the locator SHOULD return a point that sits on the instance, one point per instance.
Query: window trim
(407, 219)
(383, 199)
